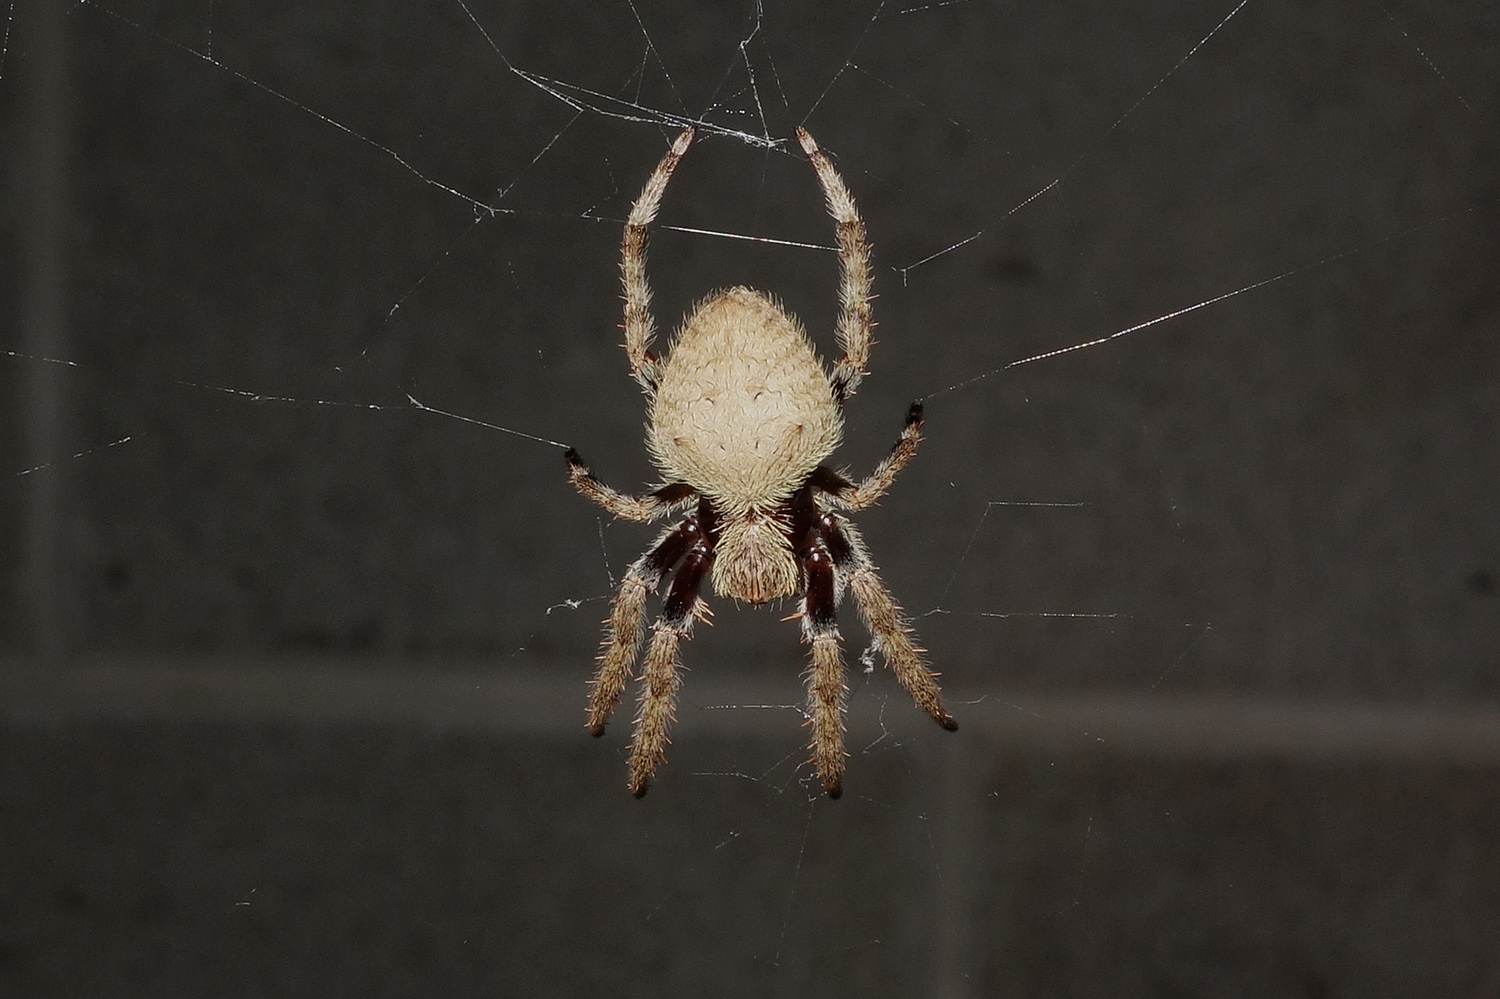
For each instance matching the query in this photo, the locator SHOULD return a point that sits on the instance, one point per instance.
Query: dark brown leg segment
(825, 678)
(623, 636)
(658, 693)
(883, 617)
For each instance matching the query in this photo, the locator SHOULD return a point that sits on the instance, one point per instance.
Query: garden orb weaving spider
(742, 417)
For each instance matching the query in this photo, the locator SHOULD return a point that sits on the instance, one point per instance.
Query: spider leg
(883, 617)
(658, 693)
(623, 637)
(643, 508)
(825, 679)
(640, 327)
(854, 323)
(848, 496)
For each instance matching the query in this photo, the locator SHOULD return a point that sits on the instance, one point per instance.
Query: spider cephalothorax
(742, 417)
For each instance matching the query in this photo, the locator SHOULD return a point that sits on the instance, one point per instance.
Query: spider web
(1200, 302)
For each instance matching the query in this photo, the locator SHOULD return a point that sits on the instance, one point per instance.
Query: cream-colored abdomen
(743, 411)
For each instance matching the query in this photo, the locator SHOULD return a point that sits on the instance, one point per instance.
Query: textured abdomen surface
(743, 411)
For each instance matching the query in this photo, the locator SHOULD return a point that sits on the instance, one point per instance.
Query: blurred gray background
(293, 667)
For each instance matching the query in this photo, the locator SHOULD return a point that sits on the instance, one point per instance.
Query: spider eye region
(743, 411)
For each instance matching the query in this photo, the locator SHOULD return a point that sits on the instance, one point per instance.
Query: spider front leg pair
(854, 320)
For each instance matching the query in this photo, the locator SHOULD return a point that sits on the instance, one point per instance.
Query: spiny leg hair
(659, 688)
(848, 496)
(640, 326)
(825, 677)
(883, 617)
(641, 508)
(623, 637)
(854, 323)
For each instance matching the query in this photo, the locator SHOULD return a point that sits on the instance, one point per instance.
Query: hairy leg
(884, 618)
(641, 508)
(640, 327)
(854, 323)
(658, 692)
(623, 636)
(849, 496)
(825, 678)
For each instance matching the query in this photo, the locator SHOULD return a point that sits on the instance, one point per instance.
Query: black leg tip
(948, 722)
(572, 458)
(835, 792)
(914, 415)
(640, 792)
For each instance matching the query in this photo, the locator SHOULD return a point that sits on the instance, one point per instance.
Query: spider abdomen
(743, 411)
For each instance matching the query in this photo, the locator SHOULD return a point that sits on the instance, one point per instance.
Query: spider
(742, 416)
